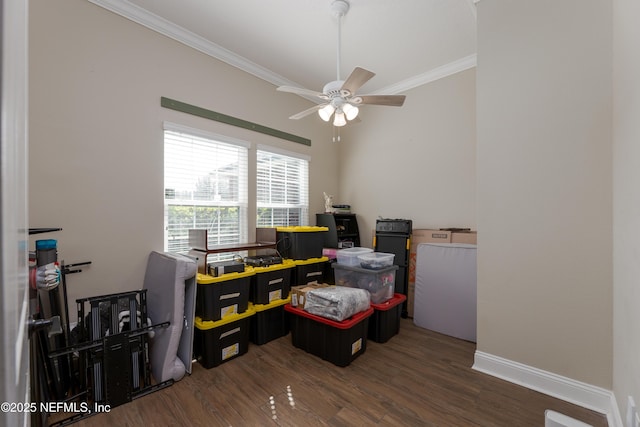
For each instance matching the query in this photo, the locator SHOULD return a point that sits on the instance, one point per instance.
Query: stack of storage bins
(378, 277)
(270, 288)
(337, 342)
(301, 250)
(303, 245)
(223, 317)
(375, 272)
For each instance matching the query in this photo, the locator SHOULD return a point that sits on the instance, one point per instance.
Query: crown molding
(184, 36)
(188, 38)
(438, 73)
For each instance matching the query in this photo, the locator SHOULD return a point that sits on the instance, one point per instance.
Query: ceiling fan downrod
(339, 8)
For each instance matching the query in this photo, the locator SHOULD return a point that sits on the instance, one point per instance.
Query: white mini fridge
(445, 289)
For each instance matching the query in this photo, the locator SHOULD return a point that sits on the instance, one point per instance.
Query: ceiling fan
(339, 96)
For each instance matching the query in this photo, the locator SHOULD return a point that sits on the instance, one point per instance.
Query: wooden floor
(417, 378)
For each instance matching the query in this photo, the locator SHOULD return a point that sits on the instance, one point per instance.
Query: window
(205, 186)
(282, 189)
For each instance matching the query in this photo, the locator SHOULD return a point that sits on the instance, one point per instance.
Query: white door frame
(14, 296)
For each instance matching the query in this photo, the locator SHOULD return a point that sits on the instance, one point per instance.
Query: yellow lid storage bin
(270, 322)
(223, 340)
(221, 296)
(300, 242)
(271, 283)
(310, 270)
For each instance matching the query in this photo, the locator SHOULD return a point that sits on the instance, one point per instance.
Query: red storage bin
(337, 342)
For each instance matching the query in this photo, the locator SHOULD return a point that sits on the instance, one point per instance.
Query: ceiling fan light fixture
(326, 112)
(350, 111)
(339, 99)
(339, 119)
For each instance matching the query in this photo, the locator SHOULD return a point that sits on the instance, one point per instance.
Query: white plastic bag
(337, 302)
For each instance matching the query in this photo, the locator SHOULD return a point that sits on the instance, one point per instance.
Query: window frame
(303, 205)
(243, 182)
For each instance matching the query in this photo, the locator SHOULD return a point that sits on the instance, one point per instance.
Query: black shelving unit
(343, 229)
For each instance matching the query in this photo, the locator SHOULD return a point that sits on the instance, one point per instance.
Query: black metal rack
(113, 348)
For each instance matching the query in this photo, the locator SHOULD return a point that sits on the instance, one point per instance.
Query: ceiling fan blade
(390, 100)
(356, 79)
(302, 91)
(306, 112)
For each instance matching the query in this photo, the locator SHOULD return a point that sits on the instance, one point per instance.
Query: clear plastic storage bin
(380, 283)
(376, 260)
(349, 256)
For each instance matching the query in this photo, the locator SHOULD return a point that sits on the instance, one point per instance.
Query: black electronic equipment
(262, 260)
(219, 268)
(401, 226)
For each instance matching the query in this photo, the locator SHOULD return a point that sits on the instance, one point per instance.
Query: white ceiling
(294, 42)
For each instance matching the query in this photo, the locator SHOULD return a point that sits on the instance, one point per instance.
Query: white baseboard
(582, 394)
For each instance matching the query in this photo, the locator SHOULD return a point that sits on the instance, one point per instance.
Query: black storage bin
(385, 321)
(223, 340)
(310, 270)
(300, 242)
(337, 342)
(270, 321)
(217, 297)
(271, 283)
(329, 276)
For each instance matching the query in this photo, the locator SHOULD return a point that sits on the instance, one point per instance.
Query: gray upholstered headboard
(168, 278)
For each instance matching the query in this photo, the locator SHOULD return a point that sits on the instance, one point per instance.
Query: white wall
(96, 151)
(626, 202)
(416, 162)
(545, 185)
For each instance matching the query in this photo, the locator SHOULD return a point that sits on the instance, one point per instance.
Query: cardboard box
(430, 236)
(411, 294)
(469, 237)
(298, 293)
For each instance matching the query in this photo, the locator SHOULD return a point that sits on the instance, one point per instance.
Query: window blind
(282, 189)
(205, 186)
